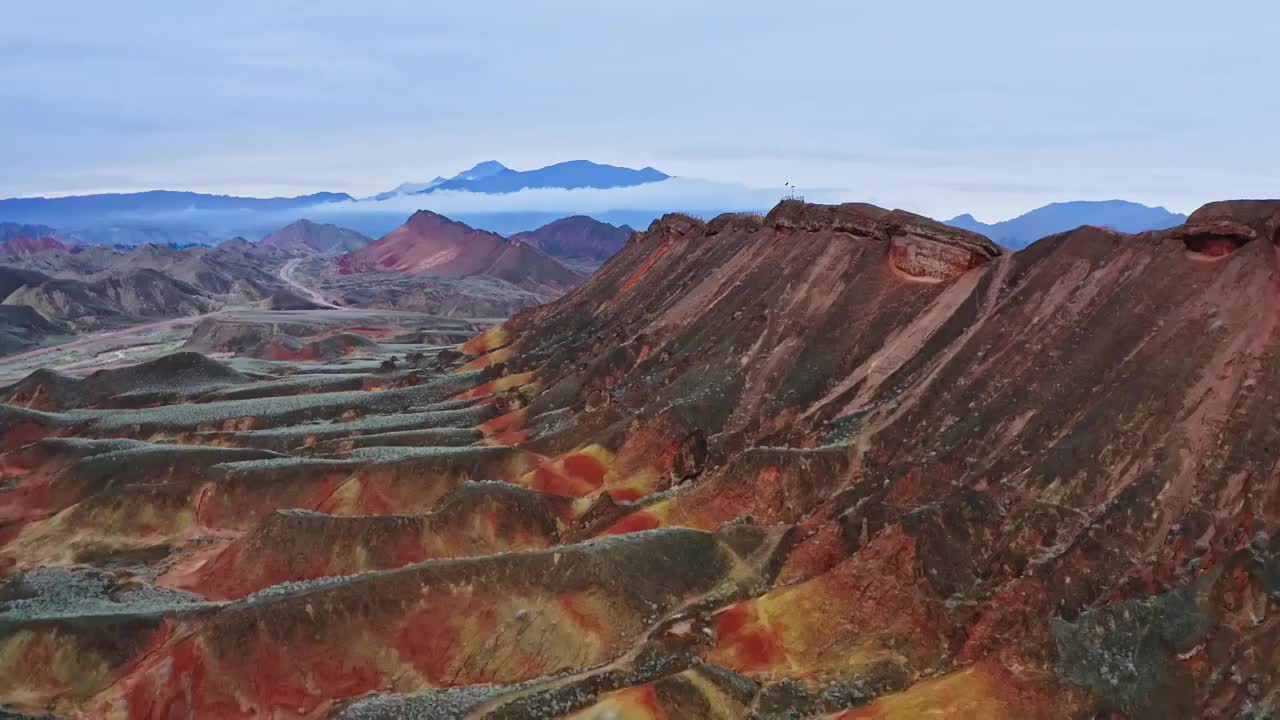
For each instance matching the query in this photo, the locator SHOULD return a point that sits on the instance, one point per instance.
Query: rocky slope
(431, 244)
(99, 286)
(12, 278)
(83, 289)
(835, 462)
(26, 245)
(233, 271)
(577, 241)
(22, 328)
(474, 296)
(132, 295)
(322, 238)
(80, 262)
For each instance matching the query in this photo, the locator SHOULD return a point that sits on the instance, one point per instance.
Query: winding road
(139, 342)
(286, 274)
(104, 348)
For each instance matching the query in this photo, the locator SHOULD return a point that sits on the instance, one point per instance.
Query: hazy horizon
(992, 108)
(587, 200)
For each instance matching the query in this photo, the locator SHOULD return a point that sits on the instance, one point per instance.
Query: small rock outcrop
(859, 219)
(1214, 238)
(929, 250)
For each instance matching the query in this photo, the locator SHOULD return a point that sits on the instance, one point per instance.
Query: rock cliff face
(927, 250)
(835, 462)
(921, 248)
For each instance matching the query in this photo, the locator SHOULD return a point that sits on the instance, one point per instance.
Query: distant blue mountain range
(1054, 218)
(70, 209)
(10, 230)
(157, 216)
(478, 172)
(493, 177)
(167, 216)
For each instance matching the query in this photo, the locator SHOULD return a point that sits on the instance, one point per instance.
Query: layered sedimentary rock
(836, 461)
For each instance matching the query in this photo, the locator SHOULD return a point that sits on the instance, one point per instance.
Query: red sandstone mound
(578, 241)
(432, 244)
(1218, 229)
(837, 462)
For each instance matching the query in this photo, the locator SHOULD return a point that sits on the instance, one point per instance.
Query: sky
(938, 107)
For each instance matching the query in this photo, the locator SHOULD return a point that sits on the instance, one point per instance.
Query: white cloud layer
(505, 212)
(675, 194)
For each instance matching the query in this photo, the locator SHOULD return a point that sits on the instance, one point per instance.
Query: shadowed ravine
(832, 462)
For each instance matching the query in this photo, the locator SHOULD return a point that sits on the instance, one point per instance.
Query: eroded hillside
(833, 462)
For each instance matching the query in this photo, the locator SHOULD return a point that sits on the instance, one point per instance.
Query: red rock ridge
(431, 244)
(23, 245)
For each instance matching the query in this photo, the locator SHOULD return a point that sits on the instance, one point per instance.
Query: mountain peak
(427, 216)
(324, 238)
(482, 169)
(431, 244)
(568, 175)
(479, 171)
(580, 241)
(236, 243)
(492, 177)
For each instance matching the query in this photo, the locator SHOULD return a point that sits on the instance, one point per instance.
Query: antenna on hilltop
(791, 193)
